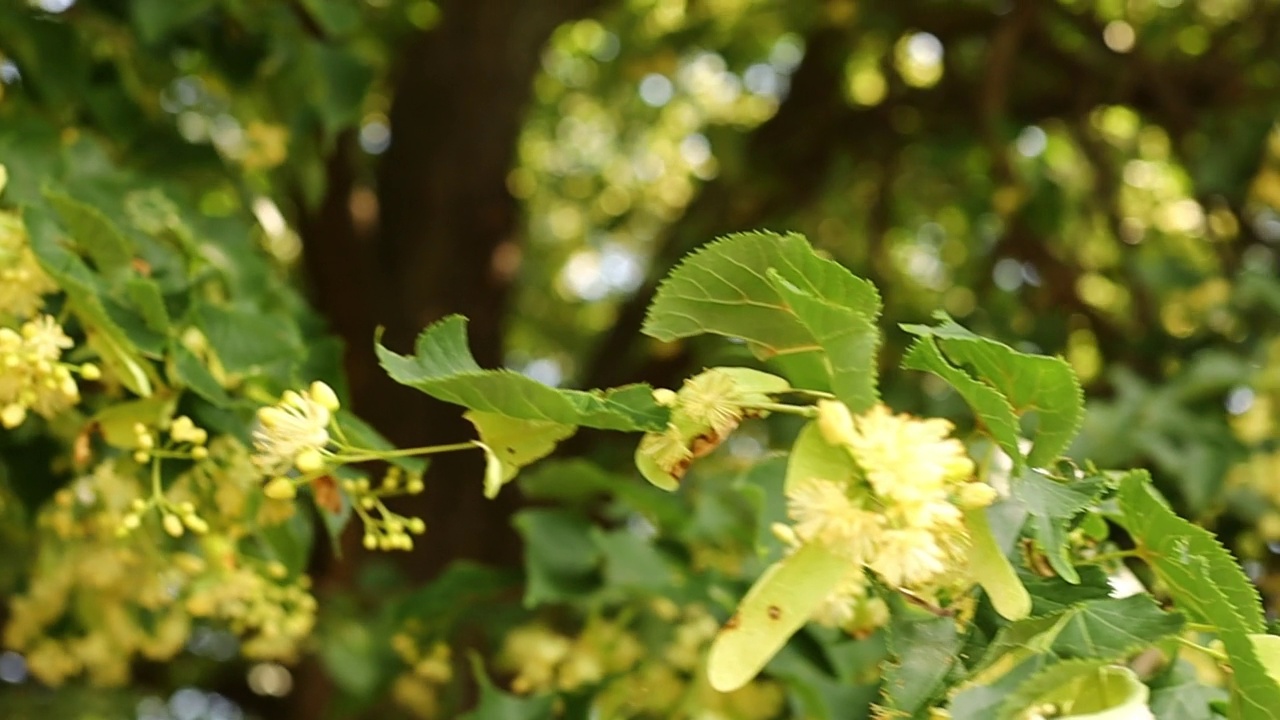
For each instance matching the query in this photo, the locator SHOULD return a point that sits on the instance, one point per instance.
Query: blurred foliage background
(1094, 178)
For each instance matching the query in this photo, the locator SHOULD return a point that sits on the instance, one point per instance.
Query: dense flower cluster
(22, 282)
(897, 511)
(635, 677)
(32, 376)
(96, 600)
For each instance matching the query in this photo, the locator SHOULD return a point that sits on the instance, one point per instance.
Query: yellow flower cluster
(96, 601)
(418, 690)
(32, 377)
(22, 281)
(898, 511)
(663, 681)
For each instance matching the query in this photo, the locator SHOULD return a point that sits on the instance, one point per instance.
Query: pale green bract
(778, 604)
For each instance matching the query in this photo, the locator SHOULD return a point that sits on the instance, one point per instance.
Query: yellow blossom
(296, 427)
(22, 281)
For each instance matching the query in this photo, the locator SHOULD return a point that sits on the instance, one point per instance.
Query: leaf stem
(1109, 556)
(802, 410)
(1215, 654)
(363, 454)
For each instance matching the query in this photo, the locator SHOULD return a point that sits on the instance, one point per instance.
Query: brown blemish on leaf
(328, 497)
(732, 623)
(775, 612)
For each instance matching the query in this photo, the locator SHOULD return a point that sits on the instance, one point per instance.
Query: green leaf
(992, 409)
(1179, 695)
(1113, 627)
(992, 569)
(1206, 583)
(144, 296)
(762, 487)
(1267, 648)
(80, 286)
(444, 368)
(1037, 383)
(924, 648)
(247, 340)
(513, 443)
(983, 701)
(1053, 504)
(631, 561)
(726, 289)
(461, 589)
(155, 19)
(497, 705)
(1050, 595)
(560, 556)
(848, 339)
(186, 370)
(116, 421)
(780, 602)
(1081, 690)
(91, 230)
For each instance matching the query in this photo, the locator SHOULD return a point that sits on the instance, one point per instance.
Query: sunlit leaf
(443, 367)
(513, 443)
(1028, 383)
(725, 289)
(1206, 583)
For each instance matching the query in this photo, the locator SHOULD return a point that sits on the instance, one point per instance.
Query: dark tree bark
(443, 211)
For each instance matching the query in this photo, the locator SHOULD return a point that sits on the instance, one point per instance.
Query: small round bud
(976, 495)
(13, 415)
(280, 488)
(89, 371)
(130, 521)
(417, 526)
(142, 457)
(665, 397)
(309, 461)
(146, 441)
(196, 524)
(138, 504)
(414, 486)
(835, 422)
(370, 541)
(173, 525)
(324, 395)
(277, 570)
(199, 453)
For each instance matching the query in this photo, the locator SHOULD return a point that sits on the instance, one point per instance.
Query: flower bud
(173, 525)
(280, 488)
(309, 461)
(13, 415)
(835, 422)
(90, 372)
(665, 397)
(324, 395)
(976, 495)
(370, 541)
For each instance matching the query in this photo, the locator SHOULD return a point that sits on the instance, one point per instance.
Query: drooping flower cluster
(96, 601)
(32, 376)
(896, 509)
(637, 676)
